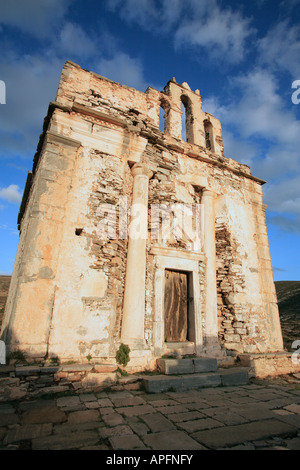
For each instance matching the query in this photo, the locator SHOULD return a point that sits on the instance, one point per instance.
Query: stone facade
(83, 282)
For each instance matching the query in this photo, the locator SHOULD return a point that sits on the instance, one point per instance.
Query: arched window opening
(183, 122)
(164, 116)
(187, 119)
(162, 119)
(208, 131)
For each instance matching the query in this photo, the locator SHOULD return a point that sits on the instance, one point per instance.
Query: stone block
(176, 366)
(171, 440)
(7, 419)
(105, 368)
(113, 419)
(69, 403)
(157, 422)
(127, 442)
(203, 364)
(234, 376)
(238, 434)
(199, 424)
(78, 417)
(232, 338)
(71, 441)
(27, 370)
(9, 381)
(44, 414)
(186, 416)
(127, 401)
(76, 367)
(97, 380)
(115, 431)
(136, 410)
(32, 431)
(169, 410)
(158, 384)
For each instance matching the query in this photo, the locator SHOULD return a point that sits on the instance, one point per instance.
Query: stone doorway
(176, 306)
(168, 259)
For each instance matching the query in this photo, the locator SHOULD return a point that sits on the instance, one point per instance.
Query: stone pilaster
(211, 320)
(132, 332)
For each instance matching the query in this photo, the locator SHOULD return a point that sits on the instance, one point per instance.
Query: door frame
(178, 260)
(187, 312)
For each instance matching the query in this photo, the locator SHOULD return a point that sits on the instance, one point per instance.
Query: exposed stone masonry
(110, 253)
(75, 294)
(232, 318)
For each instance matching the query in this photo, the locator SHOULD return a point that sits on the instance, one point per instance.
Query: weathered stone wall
(67, 290)
(32, 290)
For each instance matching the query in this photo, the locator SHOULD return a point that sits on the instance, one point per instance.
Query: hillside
(288, 295)
(4, 286)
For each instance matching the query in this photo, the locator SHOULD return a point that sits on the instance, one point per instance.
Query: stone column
(132, 332)
(211, 322)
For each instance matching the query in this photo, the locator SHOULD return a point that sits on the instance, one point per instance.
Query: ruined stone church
(130, 233)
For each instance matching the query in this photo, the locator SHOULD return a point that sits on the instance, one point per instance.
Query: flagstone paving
(264, 414)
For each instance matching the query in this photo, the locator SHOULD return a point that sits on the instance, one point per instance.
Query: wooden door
(176, 306)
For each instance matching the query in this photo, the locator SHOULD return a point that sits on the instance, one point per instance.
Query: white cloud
(11, 194)
(201, 24)
(278, 162)
(280, 48)
(32, 80)
(73, 40)
(288, 5)
(260, 111)
(143, 12)
(283, 197)
(221, 31)
(241, 150)
(123, 69)
(39, 18)
(31, 83)
(211, 104)
(261, 130)
(285, 223)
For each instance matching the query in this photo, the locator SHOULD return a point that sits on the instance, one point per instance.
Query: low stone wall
(270, 364)
(21, 382)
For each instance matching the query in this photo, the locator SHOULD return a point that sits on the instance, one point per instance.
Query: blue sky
(243, 56)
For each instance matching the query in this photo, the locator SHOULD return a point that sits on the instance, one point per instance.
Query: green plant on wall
(122, 355)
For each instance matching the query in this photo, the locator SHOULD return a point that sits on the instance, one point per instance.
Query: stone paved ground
(261, 415)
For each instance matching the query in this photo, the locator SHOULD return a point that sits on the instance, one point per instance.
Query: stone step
(187, 365)
(181, 383)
